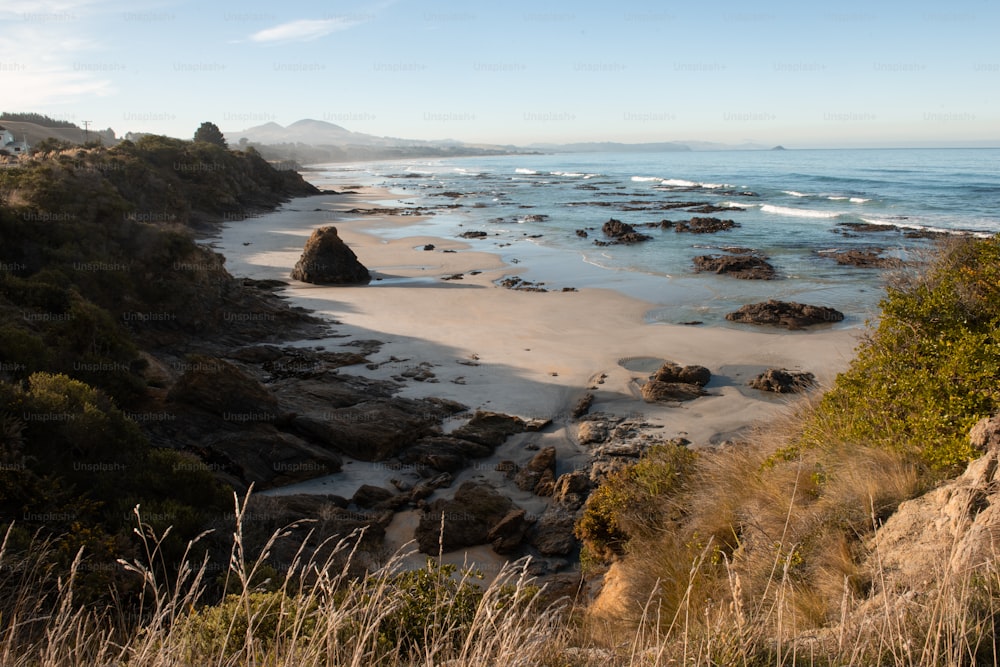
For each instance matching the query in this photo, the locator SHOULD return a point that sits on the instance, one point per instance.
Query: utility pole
(86, 131)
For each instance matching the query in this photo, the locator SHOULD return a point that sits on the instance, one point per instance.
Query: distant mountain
(313, 141)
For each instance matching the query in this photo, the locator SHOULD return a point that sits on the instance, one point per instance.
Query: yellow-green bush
(931, 369)
(633, 500)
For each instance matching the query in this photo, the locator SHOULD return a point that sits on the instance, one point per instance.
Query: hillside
(36, 133)
(100, 267)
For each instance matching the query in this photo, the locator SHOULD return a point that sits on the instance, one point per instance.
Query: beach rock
(468, 518)
(509, 532)
(582, 406)
(657, 391)
(532, 476)
(489, 428)
(783, 381)
(424, 489)
(327, 260)
(592, 431)
(582, 233)
(704, 225)
(428, 247)
(623, 232)
(473, 235)
(785, 314)
(221, 388)
(671, 372)
(571, 489)
(746, 267)
(443, 453)
(368, 496)
(553, 534)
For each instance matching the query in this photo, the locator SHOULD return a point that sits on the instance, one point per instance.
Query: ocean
(795, 207)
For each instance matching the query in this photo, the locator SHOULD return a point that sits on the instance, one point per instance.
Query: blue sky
(850, 73)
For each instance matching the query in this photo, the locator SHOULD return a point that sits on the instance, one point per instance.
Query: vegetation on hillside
(37, 119)
(97, 262)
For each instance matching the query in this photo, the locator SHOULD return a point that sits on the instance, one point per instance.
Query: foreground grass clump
(315, 613)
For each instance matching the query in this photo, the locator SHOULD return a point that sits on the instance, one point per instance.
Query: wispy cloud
(303, 30)
(49, 64)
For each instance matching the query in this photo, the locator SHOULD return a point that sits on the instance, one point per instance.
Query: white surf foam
(522, 170)
(794, 193)
(798, 212)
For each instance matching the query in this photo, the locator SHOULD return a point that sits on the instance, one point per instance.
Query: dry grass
(315, 615)
(772, 564)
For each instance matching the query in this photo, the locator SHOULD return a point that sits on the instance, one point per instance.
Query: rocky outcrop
(704, 225)
(327, 260)
(782, 381)
(785, 314)
(746, 267)
(571, 489)
(538, 475)
(371, 430)
(951, 532)
(219, 387)
(464, 521)
(508, 534)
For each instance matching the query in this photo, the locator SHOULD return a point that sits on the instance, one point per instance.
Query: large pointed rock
(327, 260)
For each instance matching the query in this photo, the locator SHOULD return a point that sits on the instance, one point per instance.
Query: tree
(210, 132)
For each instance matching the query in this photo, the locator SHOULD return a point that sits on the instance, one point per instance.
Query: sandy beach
(528, 354)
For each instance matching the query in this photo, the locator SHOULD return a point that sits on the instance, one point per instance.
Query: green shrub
(932, 367)
(249, 625)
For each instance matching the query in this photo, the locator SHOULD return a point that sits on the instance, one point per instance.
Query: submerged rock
(326, 260)
(747, 267)
(704, 225)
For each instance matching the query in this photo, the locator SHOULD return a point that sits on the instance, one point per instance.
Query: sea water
(795, 207)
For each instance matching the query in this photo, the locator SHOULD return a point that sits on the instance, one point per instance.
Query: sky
(845, 74)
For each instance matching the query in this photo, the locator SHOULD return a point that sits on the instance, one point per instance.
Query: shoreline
(409, 302)
(533, 355)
